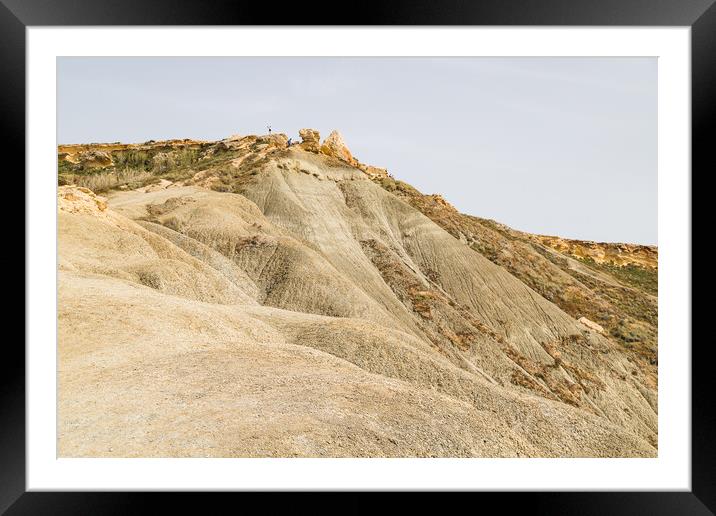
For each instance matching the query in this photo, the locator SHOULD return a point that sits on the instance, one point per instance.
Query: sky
(556, 146)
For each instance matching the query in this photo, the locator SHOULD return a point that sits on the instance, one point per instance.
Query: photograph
(432, 248)
(357, 257)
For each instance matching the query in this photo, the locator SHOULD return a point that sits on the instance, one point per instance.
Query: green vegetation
(628, 315)
(489, 223)
(631, 275)
(632, 318)
(133, 169)
(105, 180)
(65, 167)
(134, 160)
(393, 185)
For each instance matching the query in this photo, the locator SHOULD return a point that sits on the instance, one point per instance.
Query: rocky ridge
(603, 253)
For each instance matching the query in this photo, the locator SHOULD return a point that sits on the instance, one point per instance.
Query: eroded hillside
(245, 298)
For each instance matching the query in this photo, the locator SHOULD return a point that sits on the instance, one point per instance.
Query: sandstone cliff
(603, 253)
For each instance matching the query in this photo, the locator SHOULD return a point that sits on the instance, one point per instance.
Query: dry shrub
(104, 181)
(163, 162)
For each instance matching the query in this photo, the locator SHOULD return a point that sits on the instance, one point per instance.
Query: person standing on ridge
(269, 128)
(288, 144)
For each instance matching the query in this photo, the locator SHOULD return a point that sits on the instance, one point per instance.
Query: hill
(245, 298)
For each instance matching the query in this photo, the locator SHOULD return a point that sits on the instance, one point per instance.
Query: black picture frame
(700, 15)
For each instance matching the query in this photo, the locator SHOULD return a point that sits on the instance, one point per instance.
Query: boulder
(336, 147)
(80, 200)
(591, 325)
(310, 140)
(95, 158)
(273, 140)
(375, 171)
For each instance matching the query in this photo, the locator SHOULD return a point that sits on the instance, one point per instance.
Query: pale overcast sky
(558, 146)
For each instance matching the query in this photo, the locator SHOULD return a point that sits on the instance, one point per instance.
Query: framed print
(443, 248)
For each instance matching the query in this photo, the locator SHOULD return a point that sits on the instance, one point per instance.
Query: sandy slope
(313, 313)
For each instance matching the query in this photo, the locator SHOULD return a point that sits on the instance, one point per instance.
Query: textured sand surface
(310, 312)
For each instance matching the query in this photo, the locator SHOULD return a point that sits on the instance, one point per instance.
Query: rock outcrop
(591, 325)
(278, 140)
(95, 159)
(335, 146)
(310, 140)
(603, 253)
(72, 152)
(78, 200)
(440, 201)
(374, 172)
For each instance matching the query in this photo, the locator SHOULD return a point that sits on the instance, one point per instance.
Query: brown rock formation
(72, 151)
(73, 199)
(335, 146)
(440, 200)
(609, 253)
(591, 324)
(95, 159)
(311, 140)
(373, 172)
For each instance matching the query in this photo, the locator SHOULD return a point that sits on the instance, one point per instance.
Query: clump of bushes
(643, 278)
(107, 180)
